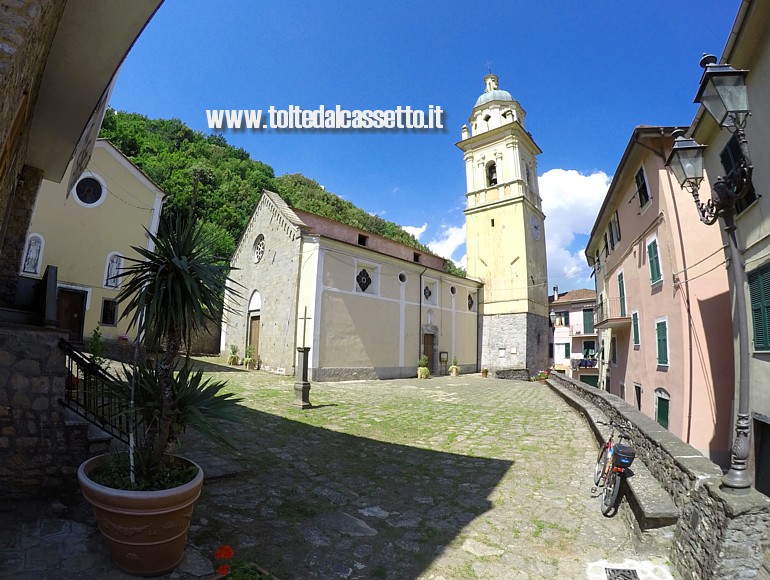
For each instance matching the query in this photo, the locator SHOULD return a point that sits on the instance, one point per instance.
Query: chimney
(555, 293)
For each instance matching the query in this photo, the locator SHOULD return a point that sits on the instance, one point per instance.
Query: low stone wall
(39, 455)
(512, 374)
(718, 534)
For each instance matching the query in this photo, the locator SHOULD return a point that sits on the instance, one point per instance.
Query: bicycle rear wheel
(611, 491)
(599, 468)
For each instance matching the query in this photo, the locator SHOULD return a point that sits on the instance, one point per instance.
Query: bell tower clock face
(534, 226)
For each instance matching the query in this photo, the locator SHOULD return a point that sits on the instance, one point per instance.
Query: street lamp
(723, 93)
(552, 316)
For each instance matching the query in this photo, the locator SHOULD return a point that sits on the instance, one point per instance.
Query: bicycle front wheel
(611, 491)
(599, 468)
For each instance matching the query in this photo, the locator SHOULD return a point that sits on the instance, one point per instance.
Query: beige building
(87, 233)
(663, 300)
(366, 306)
(505, 232)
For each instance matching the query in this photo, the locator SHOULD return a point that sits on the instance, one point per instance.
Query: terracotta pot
(484, 374)
(145, 531)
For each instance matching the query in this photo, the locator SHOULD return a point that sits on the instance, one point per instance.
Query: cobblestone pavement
(439, 479)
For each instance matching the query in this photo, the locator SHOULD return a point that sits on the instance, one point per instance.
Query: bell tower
(505, 232)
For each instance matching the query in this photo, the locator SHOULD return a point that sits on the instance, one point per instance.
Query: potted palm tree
(423, 372)
(143, 498)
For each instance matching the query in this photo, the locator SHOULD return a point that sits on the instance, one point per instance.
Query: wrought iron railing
(610, 308)
(90, 392)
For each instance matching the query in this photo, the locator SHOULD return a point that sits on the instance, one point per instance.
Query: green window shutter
(759, 292)
(622, 295)
(566, 351)
(588, 321)
(661, 332)
(566, 318)
(652, 255)
(635, 326)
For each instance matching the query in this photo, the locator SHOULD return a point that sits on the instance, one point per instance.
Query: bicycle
(611, 464)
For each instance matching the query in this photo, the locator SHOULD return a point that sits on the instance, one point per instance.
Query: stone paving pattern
(439, 479)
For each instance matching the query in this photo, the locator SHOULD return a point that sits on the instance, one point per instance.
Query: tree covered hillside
(224, 183)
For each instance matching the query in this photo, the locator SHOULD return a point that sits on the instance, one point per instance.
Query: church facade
(367, 307)
(505, 232)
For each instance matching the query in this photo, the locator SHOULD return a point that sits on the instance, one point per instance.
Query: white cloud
(415, 231)
(571, 202)
(450, 238)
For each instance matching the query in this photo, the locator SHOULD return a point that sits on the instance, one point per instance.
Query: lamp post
(723, 93)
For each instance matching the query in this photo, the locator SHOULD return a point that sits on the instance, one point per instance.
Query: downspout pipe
(419, 319)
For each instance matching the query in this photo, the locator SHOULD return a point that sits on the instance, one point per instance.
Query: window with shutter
(641, 189)
(653, 260)
(635, 327)
(622, 295)
(662, 334)
(759, 293)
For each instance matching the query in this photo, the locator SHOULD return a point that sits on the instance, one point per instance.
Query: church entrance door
(71, 311)
(429, 350)
(254, 335)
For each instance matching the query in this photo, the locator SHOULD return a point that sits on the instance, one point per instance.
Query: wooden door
(71, 311)
(428, 349)
(254, 336)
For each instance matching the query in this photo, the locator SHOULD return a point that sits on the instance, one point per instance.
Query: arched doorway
(252, 335)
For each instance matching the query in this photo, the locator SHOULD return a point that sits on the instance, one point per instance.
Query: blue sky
(585, 72)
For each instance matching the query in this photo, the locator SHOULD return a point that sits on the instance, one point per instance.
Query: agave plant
(168, 294)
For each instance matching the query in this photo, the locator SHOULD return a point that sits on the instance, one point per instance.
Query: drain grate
(621, 574)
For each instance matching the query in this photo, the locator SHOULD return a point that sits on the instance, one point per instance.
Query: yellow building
(87, 233)
(505, 232)
(367, 307)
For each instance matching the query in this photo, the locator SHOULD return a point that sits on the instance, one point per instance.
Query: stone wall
(718, 534)
(15, 232)
(39, 455)
(522, 338)
(27, 28)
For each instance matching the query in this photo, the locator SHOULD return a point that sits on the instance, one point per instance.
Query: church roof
(284, 208)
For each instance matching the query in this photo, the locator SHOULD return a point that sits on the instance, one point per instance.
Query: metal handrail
(90, 392)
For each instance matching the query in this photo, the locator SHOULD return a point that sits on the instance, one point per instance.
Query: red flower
(223, 570)
(224, 552)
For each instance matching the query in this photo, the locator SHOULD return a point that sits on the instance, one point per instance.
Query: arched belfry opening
(491, 174)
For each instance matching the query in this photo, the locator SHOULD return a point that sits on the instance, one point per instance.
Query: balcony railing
(584, 363)
(581, 329)
(611, 312)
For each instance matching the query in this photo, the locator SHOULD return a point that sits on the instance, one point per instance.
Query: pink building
(574, 348)
(663, 304)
